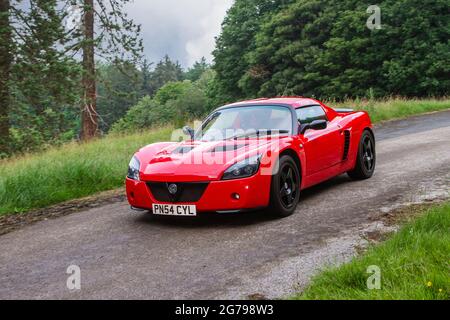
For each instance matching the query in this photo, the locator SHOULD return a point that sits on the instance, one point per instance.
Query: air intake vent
(346, 144)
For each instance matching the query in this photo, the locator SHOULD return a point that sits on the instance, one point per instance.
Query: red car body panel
(320, 154)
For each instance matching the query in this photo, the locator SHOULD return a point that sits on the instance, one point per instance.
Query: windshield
(243, 122)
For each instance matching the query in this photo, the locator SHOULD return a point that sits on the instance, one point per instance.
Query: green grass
(72, 171)
(77, 170)
(414, 264)
(389, 109)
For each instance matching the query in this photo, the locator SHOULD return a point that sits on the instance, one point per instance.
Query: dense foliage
(48, 70)
(324, 49)
(175, 102)
(118, 88)
(43, 84)
(239, 29)
(314, 48)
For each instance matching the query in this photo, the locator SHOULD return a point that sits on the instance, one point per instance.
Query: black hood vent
(183, 150)
(227, 148)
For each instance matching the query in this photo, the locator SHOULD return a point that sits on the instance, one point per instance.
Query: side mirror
(189, 132)
(315, 125)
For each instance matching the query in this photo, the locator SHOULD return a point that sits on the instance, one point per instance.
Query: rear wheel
(285, 188)
(366, 158)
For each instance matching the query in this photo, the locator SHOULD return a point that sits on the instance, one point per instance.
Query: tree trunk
(5, 73)
(89, 117)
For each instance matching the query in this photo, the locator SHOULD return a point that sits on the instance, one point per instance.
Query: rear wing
(343, 110)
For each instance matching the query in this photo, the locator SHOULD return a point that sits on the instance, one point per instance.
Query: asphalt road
(125, 255)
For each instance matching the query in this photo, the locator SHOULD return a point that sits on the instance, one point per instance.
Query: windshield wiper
(258, 133)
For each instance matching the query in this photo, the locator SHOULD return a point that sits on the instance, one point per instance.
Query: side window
(309, 114)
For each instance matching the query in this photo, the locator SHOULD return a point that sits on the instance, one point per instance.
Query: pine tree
(44, 79)
(195, 72)
(5, 72)
(107, 33)
(89, 117)
(118, 89)
(165, 71)
(146, 75)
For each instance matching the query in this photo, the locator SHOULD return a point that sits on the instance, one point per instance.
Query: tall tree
(108, 33)
(44, 80)
(5, 70)
(89, 117)
(146, 75)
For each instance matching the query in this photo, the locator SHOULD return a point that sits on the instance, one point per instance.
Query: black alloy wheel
(366, 158)
(285, 188)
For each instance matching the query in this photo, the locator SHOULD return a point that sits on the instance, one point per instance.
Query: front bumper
(254, 192)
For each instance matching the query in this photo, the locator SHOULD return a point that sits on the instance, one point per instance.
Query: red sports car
(257, 154)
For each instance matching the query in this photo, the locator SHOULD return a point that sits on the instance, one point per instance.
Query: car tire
(285, 188)
(365, 158)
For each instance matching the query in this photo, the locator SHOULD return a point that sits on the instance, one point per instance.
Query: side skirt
(326, 174)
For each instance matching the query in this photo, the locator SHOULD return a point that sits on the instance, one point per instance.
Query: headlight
(133, 169)
(243, 169)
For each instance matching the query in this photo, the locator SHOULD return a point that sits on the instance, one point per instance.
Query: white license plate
(174, 210)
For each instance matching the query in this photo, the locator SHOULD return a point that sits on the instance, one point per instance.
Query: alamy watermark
(74, 280)
(374, 21)
(374, 280)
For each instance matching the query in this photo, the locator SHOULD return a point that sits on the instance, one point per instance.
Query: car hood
(199, 161)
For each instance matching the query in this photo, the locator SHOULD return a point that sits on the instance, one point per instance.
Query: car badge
(173, 189)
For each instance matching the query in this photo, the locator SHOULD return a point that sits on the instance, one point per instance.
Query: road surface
(128, 255)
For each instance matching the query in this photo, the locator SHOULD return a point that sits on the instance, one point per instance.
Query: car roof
(295, 102)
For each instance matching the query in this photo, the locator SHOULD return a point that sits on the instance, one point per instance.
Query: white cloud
(203, 44)
(184, 29)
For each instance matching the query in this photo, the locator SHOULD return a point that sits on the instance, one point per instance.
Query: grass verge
(76, 170)
(72, 171)
(397, 108)
(414, 264)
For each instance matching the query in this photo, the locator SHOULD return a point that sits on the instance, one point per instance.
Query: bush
(175, 102)
(145, 114)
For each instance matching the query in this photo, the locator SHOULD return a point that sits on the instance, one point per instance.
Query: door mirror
(189, 132)
(315, 125)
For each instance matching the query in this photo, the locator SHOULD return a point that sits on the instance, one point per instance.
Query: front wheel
(285, 188)
(365, 159)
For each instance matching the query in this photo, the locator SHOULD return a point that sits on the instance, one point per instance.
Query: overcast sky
(184, 29)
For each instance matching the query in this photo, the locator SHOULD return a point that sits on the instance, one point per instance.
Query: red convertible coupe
(257, 154)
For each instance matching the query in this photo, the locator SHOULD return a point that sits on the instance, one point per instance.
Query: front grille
(186, 192)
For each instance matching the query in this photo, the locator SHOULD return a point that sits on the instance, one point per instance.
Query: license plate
(174, 210)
